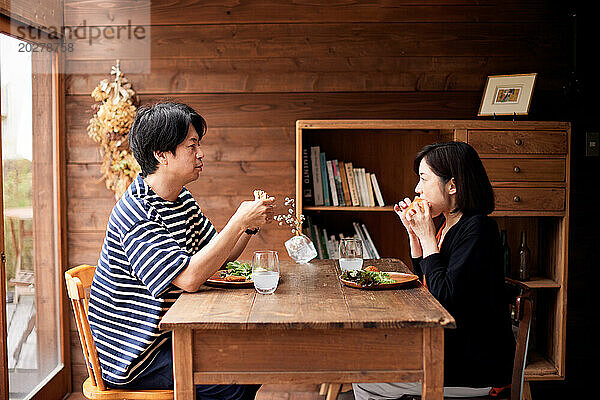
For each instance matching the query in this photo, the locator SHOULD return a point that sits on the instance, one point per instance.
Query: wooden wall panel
(290, 11)
(243, 41)
(322, 74)
(253, 68)
(46, 15)
(283, 109)
(219, 144)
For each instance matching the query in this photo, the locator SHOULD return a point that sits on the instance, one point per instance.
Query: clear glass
(301, 248)
(351, 254)
(29, 201)
(265, 271)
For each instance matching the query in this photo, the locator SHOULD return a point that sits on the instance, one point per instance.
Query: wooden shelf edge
(537, 282)
(348, 208)
(527, 213)
(540, 368)
(471, 125)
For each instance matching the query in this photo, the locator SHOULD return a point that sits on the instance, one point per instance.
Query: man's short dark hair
(458, 160)
(161, 127)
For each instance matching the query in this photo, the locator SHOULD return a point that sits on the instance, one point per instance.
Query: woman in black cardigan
(461, 264)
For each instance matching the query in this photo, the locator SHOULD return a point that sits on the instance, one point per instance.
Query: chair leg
(323, 389)
(333, 391)
(526, 391)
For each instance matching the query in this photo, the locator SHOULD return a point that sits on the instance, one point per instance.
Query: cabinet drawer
(525, 169)
(530, 199)
(518, 142)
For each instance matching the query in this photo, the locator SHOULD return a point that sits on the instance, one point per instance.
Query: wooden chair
(521, 314)
(521, 311)
(79, 279)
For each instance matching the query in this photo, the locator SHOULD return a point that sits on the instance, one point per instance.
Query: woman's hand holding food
(402, 208)
(421, 223)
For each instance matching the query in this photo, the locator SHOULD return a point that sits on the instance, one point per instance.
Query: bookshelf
(528, 164)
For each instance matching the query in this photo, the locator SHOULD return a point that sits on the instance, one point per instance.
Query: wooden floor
(269, 392)
(22, 335)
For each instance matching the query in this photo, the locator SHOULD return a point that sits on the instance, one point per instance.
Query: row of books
(328, 245)
(337, 183)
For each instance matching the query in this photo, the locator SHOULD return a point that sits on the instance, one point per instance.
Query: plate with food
(373, 279)
(236, 274)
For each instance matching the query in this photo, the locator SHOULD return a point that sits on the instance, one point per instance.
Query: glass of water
(265, 271)
(351, 254)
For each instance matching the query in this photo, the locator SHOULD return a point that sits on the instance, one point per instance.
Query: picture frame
(507, 95)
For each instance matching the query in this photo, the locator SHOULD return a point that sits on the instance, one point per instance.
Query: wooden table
(24, 279)
(311, 330)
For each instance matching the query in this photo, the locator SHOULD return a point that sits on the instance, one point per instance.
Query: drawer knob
(518, 142)
(517, 199)
(517, 169)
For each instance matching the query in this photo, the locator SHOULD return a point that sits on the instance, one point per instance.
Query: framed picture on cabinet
(507, 95)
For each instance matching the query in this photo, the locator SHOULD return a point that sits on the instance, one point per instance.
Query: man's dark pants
(159, 375)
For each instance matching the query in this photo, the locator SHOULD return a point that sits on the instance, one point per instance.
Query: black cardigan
(467, 278)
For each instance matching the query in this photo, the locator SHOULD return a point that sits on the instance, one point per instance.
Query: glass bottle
(506, 253)
(524, 258)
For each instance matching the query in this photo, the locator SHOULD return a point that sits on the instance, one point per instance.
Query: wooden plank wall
(253, 68)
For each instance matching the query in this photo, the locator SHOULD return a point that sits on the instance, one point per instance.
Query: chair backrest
(521, 313)
(79, 279)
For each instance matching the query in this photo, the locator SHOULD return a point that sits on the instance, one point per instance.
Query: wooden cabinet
(528, 165)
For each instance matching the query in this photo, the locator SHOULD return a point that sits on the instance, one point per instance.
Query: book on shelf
(307, 183)
(336, 247)
(377, 190)
(359, 235)
(362, 187)
(315, 158)
(345, 188)
(352, 184)
(331, 181)
(324, 180)
(338, 182)
(370, 241)
(363, 177)
(323, 242)
(370, 191)
(329, 245)
(357, 184)
(313, 229)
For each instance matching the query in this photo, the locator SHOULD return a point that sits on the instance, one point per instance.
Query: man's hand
(254, 214)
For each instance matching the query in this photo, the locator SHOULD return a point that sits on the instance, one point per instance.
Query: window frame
(58, 383)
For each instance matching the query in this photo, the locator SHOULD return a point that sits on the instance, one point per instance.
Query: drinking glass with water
(265, 271)
(351, 254)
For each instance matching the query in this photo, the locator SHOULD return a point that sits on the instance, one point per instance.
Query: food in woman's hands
(260, 195)
(417, 202)
(367, 278)
(237, 272)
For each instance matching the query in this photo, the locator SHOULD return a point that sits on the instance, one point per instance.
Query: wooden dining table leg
(182, 364)
(433, 364)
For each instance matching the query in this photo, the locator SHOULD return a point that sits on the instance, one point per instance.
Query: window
(30, 203)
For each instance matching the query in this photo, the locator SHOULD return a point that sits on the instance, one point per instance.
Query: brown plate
(401, 279)
(216, 280)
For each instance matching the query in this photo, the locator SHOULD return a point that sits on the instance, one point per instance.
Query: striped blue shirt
(148, 243)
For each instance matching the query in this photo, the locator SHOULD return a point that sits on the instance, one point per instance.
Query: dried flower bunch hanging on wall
(109, 127)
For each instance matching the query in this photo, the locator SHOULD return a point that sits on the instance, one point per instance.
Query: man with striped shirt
(157, 245)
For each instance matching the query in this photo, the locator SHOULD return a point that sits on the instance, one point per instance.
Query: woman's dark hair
(458, 160)
(161, 127)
